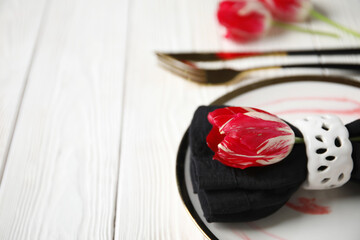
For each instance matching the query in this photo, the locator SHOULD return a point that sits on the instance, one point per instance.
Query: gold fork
(217, 76)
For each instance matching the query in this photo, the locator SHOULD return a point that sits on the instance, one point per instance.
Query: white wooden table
(90, 125)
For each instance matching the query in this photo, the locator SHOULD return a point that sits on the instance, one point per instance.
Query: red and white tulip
(242, 137)
(244, 19)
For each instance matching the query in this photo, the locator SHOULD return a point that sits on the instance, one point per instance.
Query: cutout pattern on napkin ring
(328, 150)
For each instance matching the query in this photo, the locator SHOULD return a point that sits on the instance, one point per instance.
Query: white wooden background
(90, 125)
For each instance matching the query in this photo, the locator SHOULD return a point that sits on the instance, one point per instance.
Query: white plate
(328, 214)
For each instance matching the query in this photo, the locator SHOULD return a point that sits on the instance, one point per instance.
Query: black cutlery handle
(345, 66)
(345, 51)
(223, 56)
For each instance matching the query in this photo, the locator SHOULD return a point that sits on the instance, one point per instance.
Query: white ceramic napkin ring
(328, 150)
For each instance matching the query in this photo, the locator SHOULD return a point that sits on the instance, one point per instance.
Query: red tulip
(289, 10)
(245, 137)
(243, 19)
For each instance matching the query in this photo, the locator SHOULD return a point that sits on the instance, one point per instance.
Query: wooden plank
(61, 178)
(158, 108)
(19, 27)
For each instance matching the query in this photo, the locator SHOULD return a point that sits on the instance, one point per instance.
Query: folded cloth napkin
(230, 194)
(211, 174)
(354, 131)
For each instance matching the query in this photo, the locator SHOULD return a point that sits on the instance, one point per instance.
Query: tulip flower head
(242, 137)
(244, 19)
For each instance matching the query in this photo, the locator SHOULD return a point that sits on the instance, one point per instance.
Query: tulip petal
(244, 20)
(213, 138)
(243, 137)
(289, 10)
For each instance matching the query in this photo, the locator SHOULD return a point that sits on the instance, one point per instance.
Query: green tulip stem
(355, 139)
(301, 29)
(321, 17)
(301, 140)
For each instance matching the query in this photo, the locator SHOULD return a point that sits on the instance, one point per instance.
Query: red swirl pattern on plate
(355, 110)
(308, 206)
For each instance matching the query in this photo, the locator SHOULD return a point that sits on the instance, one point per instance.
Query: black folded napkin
(354, 131)
(212, 174)
(230, 194)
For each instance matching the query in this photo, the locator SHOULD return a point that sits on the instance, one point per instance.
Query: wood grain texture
(60, 180)
(19, 27)
(159, 107)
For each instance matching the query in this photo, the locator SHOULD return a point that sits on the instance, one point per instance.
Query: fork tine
(196, 75)
(204, 76)
(180, 65)
(200, 73)
(216, 76)
(182, 73)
